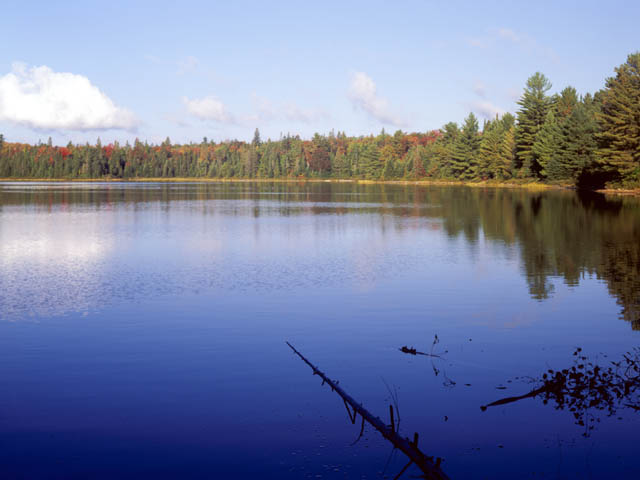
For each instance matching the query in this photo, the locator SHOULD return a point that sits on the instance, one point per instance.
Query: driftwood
(429, 466)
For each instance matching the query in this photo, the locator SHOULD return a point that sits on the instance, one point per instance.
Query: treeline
(586, 140)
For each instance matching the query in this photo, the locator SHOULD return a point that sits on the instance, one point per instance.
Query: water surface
(143, 328)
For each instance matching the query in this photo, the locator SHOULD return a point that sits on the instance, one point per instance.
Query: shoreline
(528, 185)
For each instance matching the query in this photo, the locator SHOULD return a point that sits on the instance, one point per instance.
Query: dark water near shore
(143, 328)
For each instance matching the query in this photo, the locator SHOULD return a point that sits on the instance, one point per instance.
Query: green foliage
(504, 165)
(546, 146)
(577, 145)
(465, 148)
(534, 103)
(371, 165)
(619, 121)
(566, 103)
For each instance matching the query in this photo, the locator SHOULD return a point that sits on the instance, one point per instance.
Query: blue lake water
(143, 329)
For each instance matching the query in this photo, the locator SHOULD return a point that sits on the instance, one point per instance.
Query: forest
(585, 140)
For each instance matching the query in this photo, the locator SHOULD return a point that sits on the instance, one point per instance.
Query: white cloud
(208, 108)
(486, 109)
(42, 99)
(363, 95)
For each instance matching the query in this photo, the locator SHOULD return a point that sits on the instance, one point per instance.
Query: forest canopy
(585, 140)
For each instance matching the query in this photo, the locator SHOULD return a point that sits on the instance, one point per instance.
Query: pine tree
(256, 142)
(387, 158)
(547, 143)
(566, 103)
(341, 167)
(465, 149)
(619, 121)
(371, 165)
(388, 172)
(489, 150)
(504, 164)
(577, 149)
(534, 105)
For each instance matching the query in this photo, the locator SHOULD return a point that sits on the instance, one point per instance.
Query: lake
(143, 330)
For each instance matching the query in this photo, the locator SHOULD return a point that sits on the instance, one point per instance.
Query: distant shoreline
(528, 185)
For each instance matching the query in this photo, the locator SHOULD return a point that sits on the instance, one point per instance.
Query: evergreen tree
(534, 105)
(387, 158)
(507, 120)
(443, 149)
(489, 150)
(388, 172)
(619, 121)
(566, 103)
(578, 146)
(341, 167)
(256, 142)
(546, 146)
(371, 166)
(503, 167)
(465, 149)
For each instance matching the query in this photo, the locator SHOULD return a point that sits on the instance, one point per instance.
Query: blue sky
(120, 70)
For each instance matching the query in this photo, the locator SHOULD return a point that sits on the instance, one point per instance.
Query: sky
(121, 70)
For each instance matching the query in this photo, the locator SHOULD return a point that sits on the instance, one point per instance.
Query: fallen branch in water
(413, 351)
(429, 466)
(436, 371)
(587, 387)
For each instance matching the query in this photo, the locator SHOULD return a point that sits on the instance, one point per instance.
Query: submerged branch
(429, 466)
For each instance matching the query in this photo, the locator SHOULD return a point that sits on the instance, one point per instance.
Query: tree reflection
(587, 388)
(557, 234)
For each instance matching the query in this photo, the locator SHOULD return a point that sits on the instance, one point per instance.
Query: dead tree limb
(429, 466)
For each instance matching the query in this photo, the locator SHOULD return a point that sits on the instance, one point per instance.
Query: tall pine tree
(546, 146)
(577, 146)
(535, 104)
(465, 148)
(619, 121)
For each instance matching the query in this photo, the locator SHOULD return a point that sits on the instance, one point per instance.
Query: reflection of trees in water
(557, 233)
(586, 388)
